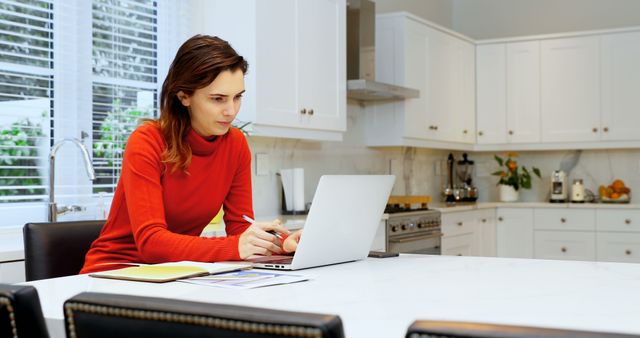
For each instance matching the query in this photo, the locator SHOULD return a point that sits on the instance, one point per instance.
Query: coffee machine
(558, 187)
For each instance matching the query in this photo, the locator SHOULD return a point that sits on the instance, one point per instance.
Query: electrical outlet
(262, 164)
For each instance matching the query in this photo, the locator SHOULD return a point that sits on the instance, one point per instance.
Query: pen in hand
(251, 220)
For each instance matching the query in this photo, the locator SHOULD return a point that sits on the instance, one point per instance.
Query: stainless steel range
(413, 231)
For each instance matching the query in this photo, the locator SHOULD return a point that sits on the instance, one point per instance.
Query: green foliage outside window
(18, 158)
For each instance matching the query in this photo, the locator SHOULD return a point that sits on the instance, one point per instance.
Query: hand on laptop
(257, 241)
(291, 243)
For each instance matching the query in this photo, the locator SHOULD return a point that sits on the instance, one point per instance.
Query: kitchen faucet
(54, 211)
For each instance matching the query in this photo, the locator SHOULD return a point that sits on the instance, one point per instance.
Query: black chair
(57, 249)
(448, 329)
(20, 312)
(99, 315)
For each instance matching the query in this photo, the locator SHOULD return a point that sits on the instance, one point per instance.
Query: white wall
(502, 18)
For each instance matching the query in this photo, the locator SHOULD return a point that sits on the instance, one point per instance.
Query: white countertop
(442, 207)
(11, 245)
(381, 297)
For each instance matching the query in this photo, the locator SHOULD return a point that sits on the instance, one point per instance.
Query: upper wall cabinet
(558, 93)
(508, 114)
(570, 95)
(441, 65)
(296, 84)
(620, 59)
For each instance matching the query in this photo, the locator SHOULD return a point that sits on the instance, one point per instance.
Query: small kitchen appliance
(577, 191)
(464, 171)
(558, 187)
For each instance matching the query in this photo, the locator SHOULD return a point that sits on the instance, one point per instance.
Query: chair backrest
(99, 315)
(450, 329)
(20, 312)
(57, 249)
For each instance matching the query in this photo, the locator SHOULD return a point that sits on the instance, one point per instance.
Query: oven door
(427, 243)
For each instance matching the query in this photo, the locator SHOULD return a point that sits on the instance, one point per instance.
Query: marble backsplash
(423, 171)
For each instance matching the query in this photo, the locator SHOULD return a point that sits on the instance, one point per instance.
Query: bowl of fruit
(615, 192)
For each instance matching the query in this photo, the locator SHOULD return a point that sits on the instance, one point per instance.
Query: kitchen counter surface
(11, 246)
(490, 205)
(381, 297)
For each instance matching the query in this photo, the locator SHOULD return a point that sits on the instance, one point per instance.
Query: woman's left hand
(291, 243)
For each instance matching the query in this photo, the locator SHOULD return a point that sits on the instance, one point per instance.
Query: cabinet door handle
(500, 219)
(510, 132)
(303, 111)
(627, 221)
(627, 252)
(484, 220)
(459, 254)
(480, 133)
(459, 224)
(563, 249)
(432, 128)
(563, 220)
(595, 130)
(605, 129)
(435, 127)
(310, 111)
(465, 131)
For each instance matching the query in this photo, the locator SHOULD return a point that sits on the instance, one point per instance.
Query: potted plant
(512, 178)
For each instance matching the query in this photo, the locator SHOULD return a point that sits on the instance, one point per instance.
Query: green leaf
(499, 160)
(537, 172)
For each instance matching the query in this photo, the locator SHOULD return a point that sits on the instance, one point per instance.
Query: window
(77, 69)
(26, 93)
(125, 76)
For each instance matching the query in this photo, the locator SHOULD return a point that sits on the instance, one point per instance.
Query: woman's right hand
(257, 241)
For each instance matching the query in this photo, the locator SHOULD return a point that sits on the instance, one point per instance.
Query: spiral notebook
(167, 272)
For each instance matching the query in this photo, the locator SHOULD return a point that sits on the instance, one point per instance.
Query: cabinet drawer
(460, 245)
(618, 220)
(618, 247)
(457, 223)
(567, 245)
(564, 219)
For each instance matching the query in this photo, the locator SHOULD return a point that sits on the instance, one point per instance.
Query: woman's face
(214, 107)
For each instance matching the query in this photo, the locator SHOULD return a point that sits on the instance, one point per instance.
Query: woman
(179, 170)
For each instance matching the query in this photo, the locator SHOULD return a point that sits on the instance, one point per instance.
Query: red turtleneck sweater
(157, 215)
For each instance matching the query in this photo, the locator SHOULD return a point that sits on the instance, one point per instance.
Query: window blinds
(26, 94)
(125, 76)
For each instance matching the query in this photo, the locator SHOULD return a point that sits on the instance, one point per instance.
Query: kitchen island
(381, 297)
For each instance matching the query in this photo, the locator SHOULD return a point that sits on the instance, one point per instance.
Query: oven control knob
(404, 227)
(420, 225)
(394, 228)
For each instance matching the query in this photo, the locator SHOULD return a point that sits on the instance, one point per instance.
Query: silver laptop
(342, 222)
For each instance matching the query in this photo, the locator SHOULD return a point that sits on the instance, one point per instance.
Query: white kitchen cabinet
(620, 220)
(413, 53)
(618, 247)
(514, 228)
(565, 245)
(508, 83)
(491, 88)
(296, 84)
(12, 272)
(523, 92)
(570, 89)
(450, 108)
(620, 57)
(487, 232)
(469, 233)
(564, 219)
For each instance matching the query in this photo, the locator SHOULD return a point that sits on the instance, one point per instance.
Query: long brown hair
(197, 63)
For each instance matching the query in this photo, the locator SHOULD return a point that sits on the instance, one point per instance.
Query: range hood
(361, 62)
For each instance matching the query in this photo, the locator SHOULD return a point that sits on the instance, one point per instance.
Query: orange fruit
(615, 196)
(602, 190)
(626, 190)
(617, 185)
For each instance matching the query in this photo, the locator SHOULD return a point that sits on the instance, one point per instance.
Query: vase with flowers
(512, 177)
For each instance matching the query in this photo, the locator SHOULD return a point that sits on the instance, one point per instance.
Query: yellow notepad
(166, 272)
